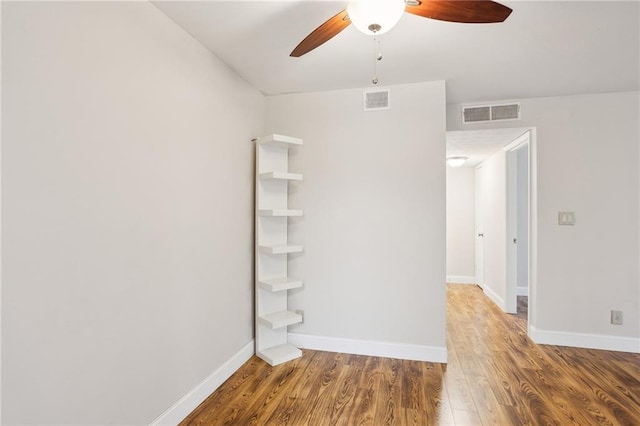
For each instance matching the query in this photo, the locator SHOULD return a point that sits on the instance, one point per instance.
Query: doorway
(504, 213)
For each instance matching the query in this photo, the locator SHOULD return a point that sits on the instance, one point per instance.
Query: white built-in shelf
(280, 284)
(281, 176)
(280, 248)
(280, 141)
(280, 319)
(280, 212)
(273, 213)
(279, 354)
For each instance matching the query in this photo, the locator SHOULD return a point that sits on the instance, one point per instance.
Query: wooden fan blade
(471, 12)
(322, 34)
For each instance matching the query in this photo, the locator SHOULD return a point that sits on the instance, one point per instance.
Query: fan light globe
(375, 17)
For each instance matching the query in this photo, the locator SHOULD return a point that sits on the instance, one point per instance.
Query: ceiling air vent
(376, 99)
(483, 113)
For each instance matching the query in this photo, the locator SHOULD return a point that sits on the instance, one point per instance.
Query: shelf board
(280, 284)
(280, 248)
(281, 141)
(279, 354)
(281, 176)
(280, 319)
(279, 212)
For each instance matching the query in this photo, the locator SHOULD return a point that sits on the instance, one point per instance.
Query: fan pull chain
(377, 57)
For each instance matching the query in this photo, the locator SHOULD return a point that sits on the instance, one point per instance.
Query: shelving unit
(273, 249)
(281, 319)
(281, 176)
(280, 212)
(280, 284)
(279, 249)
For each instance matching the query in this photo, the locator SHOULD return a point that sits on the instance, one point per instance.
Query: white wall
(461, 224)
(374, 218)
(494, 217)
(127, 212)
(587, 162)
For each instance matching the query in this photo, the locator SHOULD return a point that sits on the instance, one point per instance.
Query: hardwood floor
(495, 375)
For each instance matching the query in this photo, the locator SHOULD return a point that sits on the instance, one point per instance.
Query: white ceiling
(545, 48)
(478, 145)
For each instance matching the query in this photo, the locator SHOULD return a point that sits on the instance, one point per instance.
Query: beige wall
(374, 225)
(127, 212)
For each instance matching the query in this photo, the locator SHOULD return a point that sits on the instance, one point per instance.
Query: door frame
(479, 229)
(525, 141)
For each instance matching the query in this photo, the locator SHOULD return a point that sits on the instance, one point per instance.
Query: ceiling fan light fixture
(375, 17)
(456, 161)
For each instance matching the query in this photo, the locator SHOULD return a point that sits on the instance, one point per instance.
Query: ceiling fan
(376, 17)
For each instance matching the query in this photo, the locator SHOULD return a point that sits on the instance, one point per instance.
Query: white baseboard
(581, 340)
(185, 405)
(363, 347)
(522, 291)
(461, 279)
(494, 296)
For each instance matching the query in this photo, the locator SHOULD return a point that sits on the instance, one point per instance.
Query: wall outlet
(301, 313)
(616, 317)
(566, 218)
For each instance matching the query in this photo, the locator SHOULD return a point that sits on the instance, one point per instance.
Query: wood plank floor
(495, 376)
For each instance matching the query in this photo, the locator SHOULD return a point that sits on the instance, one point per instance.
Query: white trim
(582, 340)
(185, 405)
(533, 227)
(493, 296)
(522, 291)
(1, 399)
(517, 142)
(461, 279)
(511, 229)
(363, 347)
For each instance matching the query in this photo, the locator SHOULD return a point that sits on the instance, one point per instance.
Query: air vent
(475, 114)
(376, 99)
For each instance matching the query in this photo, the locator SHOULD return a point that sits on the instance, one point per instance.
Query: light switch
(566, 218)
